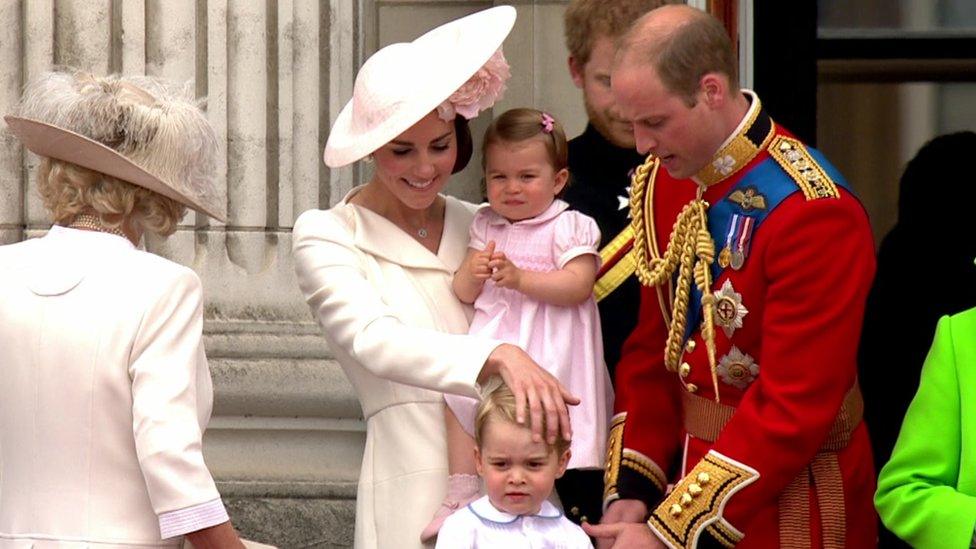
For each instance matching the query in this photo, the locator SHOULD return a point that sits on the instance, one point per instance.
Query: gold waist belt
(705, 419)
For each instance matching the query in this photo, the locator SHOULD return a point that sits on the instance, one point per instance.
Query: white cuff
(191, 519)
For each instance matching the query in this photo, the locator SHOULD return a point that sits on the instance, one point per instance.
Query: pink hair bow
(547, 122)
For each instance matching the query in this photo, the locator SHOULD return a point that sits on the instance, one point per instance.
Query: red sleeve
(646, 430)
(819, 263)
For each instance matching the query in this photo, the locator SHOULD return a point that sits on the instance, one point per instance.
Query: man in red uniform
(739, 383)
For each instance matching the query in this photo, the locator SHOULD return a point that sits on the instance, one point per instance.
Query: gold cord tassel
(690, 252)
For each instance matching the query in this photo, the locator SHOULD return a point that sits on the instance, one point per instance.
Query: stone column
(285, 443)
(286, 439)
(12, 178)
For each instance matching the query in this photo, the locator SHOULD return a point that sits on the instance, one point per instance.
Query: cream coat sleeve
(332, 274)
(168, 368)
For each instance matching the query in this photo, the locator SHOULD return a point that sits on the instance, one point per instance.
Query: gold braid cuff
(724, 533)
(615, 452)
(696, 503)
(690, 252)
(646, 467)
(630, 467)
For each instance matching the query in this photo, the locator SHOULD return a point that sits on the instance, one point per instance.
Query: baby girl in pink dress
(529, 271)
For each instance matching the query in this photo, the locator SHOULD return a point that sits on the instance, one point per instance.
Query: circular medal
(726, 310)
(724, 257)
(738, 372)
(738, 259)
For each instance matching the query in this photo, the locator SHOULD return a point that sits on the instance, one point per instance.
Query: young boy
(518, 475)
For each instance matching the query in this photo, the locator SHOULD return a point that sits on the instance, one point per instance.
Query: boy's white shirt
(481, 525)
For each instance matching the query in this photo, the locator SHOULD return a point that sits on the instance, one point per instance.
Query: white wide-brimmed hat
(137, 129)
(402, 83)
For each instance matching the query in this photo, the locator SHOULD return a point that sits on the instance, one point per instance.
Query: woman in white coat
(376, 269)
(104, 385)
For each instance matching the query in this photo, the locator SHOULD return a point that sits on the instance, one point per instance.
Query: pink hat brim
(51, 141)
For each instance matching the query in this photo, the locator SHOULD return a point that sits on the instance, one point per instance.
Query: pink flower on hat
(480, 91)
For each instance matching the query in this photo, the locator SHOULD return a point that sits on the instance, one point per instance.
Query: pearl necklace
(93, 223)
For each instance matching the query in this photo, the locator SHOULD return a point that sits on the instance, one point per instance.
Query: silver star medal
(624, 202)
(737, 368)
(729, 310)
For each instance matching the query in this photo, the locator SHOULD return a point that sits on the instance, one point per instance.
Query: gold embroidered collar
(751, 136)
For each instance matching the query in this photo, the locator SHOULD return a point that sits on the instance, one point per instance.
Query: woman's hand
(535, 389)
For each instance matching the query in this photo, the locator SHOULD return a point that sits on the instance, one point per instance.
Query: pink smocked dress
(565, 340)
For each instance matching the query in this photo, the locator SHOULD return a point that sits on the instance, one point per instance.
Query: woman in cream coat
(104, 386)
(376, 269)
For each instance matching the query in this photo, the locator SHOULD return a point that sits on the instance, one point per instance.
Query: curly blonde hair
(68, 190)
(498, 404)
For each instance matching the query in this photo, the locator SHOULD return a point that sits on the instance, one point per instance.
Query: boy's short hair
(587, 20)
(499, 404)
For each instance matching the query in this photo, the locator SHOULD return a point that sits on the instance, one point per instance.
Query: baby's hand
(480, 262)
(504, 272)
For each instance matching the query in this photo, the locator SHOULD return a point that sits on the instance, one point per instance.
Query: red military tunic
(781, 465)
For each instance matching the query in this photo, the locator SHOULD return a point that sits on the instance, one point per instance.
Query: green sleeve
(917, 497)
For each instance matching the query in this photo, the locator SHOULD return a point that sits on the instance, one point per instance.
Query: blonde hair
(68, 190)
(498, 404)
(517, 125)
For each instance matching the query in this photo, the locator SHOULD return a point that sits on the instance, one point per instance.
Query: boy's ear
(561, 178)
(477, 461)
(563, 462)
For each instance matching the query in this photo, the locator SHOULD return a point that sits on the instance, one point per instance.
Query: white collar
(750, 115)
(73, 253)
(555, 208)
(379, 236)
(484, 510)
(737, 150)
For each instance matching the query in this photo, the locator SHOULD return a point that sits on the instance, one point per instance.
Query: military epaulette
(629, 474)
(807, 172)
(694, 507)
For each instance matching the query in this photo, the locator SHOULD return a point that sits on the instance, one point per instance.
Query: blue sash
(775, 185)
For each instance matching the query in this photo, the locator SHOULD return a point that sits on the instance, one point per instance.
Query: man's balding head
(682, 44)
(674, 78)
